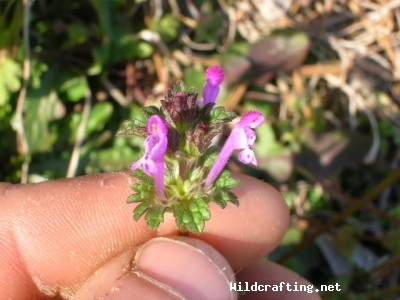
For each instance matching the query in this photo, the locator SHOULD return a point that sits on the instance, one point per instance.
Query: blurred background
(325, 74)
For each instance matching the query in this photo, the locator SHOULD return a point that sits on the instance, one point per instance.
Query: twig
(80, 135)
(115, 92)
(230, 35)
(197, 46)
(22, 142)
(177, 13)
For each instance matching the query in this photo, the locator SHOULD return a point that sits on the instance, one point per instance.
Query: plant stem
(183, 231)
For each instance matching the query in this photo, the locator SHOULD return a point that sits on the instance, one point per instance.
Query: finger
(246, 233)
(60, 232)
(276, 282)
(3, 187)
(163, 268)
(63, 231)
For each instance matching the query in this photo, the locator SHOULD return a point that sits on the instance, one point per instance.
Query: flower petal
(156, 143)
(242, 138)
(155, 146)
(137, 164)
(149, 166)
(214, 78)
(215, 75)
(250, 135)
(253, 119)
(156, 126)
(247, 156)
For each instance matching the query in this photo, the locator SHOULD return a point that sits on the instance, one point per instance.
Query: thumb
(163, 268)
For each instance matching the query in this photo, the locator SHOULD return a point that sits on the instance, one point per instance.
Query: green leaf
(10, 23)
(109, 159)
(178, 214)
(139, 174)
(10, 72)
(40, 110)
(149, 111)
(135, 187)
(219, 115)
(233, 198)
(196, 175)
(220, 197)
(135, 198)
(226, 182)
(144, 186)
(196, 223)
(201, 207)
(205, 111)
(140, 210)
(76, 35)
(167, 26)
(208, 159)
(98, 117)
(131, 48)
(132, 127)
(192, 217)
(75, 88)
(191, 149)
(155, 216)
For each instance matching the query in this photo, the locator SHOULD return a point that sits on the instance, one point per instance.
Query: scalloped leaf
(151, 110)
(144, 186)
(193, 217)
(135, 198)
(196, 175)
(140, 210)
(206, 109)
(139, 174)
(220, 198)
(233, 198)
(208, 159)
(218, 115)
(226, 182)
(132, 127)
(178, 214)
(155, 216)
(191, 149)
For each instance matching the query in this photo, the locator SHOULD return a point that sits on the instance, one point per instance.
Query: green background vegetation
(72, 71)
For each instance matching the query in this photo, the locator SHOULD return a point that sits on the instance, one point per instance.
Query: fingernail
(190, 266)
(134, 286)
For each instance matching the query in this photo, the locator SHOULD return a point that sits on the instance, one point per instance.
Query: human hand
(76, 239)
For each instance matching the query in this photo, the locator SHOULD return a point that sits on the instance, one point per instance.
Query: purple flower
(155, 146)
(214, 78)
(242, 138)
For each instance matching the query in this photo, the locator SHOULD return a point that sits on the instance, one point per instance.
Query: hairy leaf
(132, 127)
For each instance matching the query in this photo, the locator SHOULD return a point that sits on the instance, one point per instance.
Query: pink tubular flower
(155, 146)
(214, 78)
(242, 138)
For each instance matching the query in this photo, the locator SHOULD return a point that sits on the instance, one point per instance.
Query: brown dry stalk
(22, 141)
(80, 135)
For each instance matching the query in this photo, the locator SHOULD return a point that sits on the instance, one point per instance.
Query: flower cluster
(179, 171)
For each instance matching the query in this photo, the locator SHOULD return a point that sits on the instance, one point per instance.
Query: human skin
(76, 239)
